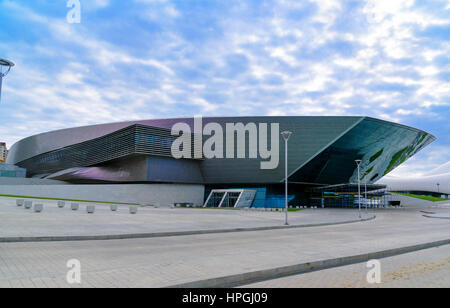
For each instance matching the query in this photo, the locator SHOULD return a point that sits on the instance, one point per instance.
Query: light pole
(438, 187)
(5, 67)
(286, 135)
(358, 163)
(365, 193)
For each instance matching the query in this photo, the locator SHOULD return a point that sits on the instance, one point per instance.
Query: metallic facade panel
(381, 147)
(133, 140)
(321, 150)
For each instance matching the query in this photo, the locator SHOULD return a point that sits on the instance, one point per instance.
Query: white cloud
(420, 164)
(281, 58)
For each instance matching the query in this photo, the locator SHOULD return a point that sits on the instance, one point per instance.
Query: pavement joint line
(74, 238)
(243, 279)
(436, 217)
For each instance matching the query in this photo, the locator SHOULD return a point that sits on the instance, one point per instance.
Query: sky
(144, 59)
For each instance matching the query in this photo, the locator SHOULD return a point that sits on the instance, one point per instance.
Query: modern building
(3, 152)
(7, 170)
(322, 152)
(435, 183)
(11, 171)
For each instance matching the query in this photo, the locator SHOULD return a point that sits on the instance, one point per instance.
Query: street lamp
(438, 187)
(365, 194)
(358, 163)
(5, 67)
(286, 135)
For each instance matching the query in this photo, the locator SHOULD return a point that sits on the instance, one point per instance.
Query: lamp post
(358, 163)
(438, 187)
(286, 135)
(5, 67)
(365, 194)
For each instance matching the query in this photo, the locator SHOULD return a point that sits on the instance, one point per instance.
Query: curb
(256, 276)
(163, 234)
(435, 217)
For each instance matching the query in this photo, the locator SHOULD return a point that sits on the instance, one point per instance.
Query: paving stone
(159, 262)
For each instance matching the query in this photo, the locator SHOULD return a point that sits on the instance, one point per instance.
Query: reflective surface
(381, 148)
(322, 150)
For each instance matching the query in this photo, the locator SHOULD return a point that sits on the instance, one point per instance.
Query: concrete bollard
(133, 209)
(61, 204)
(20, 202)
(28, 205)
(90, 209)
(113, 207)
(38, 208)
(75, 206)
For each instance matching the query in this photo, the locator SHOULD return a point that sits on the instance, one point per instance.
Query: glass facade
(11, 171)
(347, 196)
(380, 147)
(270, 196)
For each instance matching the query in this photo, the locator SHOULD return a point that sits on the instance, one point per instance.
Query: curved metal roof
(321, 150)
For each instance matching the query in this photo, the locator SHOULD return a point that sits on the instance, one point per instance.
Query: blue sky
(142, 59)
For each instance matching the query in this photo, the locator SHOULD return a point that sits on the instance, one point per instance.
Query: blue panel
(277, 201)
(11, 171)
(161, 169)
(260, 197)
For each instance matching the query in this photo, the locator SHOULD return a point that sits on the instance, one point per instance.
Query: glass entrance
(231, 198)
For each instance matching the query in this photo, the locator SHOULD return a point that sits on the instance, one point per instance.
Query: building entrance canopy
(230, 198)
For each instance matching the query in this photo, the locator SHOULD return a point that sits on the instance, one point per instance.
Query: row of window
(144, 139)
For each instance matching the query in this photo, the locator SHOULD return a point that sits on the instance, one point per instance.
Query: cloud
(161, 58)
(420, 164)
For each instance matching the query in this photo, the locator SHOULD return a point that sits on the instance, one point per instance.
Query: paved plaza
(53, 221)
(168, 261)
(428, 268)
